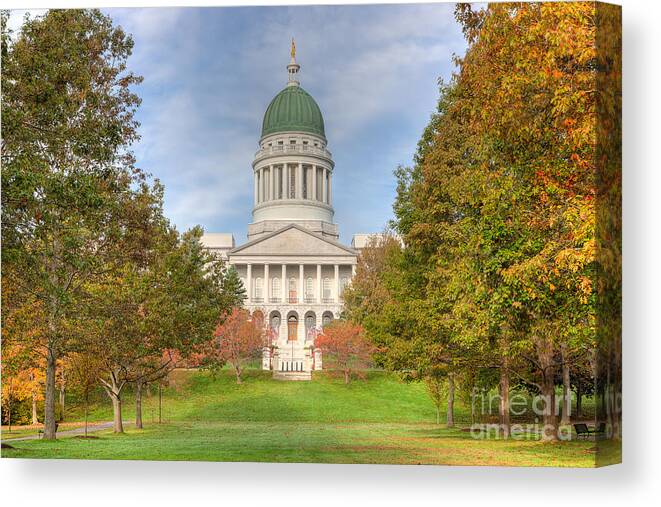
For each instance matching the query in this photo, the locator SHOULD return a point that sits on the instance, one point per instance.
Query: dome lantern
(293, 67)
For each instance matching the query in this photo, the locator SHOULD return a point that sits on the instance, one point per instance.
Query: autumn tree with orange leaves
(345, 349)
(238, 340)
(510, 216)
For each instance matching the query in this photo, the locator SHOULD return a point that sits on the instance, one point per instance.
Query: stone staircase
(292, 375)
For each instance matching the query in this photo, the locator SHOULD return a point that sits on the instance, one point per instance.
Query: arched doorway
(310, 325)
(326, 318)
(274, 324)
(292, 327)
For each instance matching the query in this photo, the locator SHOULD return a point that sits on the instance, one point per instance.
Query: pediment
(293, 240)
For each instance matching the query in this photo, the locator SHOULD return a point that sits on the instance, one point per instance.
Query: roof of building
(218, 240)
(363, 240)
(293, 110)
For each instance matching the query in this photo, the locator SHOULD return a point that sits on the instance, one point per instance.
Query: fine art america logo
(520, 406)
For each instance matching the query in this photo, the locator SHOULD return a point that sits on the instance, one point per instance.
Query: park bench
(41, 432)
(582, 430)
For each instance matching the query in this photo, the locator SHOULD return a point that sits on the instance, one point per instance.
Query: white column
(299, 182)
(353, 270)
(271, 179)
(314, 182)
(319, 291)
(337, 283)
(249, 282)
(330, 188)
(301, 285)
(283, 286)
(323, 186)
(256, 178)
(267, 284)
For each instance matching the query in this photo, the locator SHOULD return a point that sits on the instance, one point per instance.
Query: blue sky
(210, 73)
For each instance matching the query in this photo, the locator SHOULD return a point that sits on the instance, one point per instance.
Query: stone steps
(292, 375)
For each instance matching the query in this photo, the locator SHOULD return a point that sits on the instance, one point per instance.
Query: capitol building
(293, 267)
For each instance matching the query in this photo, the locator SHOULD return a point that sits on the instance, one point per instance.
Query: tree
(437, 389)
(345, 348)
(23, 354)
(84, 369)
(67, 171)
(499, 269)
(237, 340)
(153, 311)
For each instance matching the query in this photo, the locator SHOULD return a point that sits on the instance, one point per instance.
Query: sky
(210, 73)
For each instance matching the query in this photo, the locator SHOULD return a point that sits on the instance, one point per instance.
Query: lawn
(380, 420)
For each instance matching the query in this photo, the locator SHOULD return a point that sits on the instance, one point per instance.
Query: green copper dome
(293, 109)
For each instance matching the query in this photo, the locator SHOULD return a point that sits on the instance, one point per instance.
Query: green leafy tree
(68, 175)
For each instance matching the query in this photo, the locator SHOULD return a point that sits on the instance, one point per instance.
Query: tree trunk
(505, 400)
(49, 399)
(62, 400)
(438, 414)
(346, 376)
(35, 417)
(566, 387)
(237, 370)
(9, 398)
(86, 409)
(450, 412)
(579, 400)
(118, 427)
(138, 405)
(114, 391)
(545, 355)
(549, 418)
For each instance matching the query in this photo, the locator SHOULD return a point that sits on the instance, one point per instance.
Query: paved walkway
(67, 433)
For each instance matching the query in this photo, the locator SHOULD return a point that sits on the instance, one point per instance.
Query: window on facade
(320, 186)
(281, 143)
(292, 183)
(326, 288)
(305, 142)
(292, 289)
(275, 288)
(309, 288)
(265, 182)
(277, 183)
(292, 141)
(258, 288)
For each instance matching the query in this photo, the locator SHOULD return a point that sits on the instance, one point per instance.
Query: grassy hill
(379, 420)
(200, 396)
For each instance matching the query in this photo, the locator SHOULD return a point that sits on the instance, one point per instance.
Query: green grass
(380, 420)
